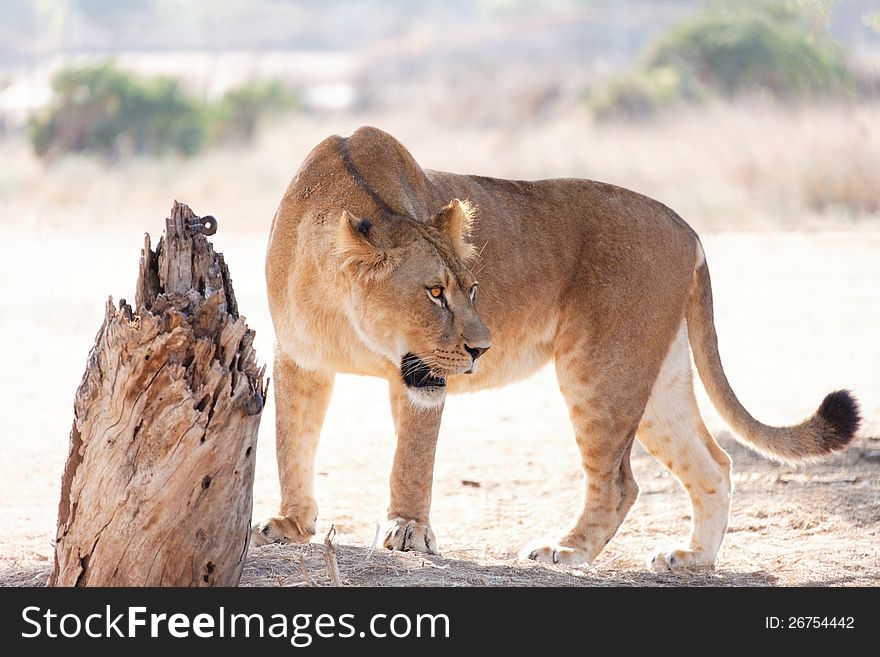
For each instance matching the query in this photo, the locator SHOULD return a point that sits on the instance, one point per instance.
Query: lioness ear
(456, 220)
(356, 246)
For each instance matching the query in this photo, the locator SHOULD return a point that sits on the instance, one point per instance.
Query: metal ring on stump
(206, 225)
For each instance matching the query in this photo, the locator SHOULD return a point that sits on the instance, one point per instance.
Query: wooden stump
(157, 488)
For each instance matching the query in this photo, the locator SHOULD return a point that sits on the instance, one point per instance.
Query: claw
(409, 535)
(554, 555)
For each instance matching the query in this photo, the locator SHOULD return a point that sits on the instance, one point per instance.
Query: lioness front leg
(301, 399)
(412, 474)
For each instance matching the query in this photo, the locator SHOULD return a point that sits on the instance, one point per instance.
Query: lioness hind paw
(681, 558)
(555, 554)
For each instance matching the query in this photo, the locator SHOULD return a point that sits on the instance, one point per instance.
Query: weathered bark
(157, 488)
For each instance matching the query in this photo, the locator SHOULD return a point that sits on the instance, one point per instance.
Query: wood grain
(157, 487)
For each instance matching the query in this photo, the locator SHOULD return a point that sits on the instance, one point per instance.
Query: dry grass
(279, 565)
(275, 566)
(755, 164)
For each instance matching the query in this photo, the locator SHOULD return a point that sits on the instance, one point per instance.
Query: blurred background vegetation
(104, 110)
(747, 113)
(780, 48)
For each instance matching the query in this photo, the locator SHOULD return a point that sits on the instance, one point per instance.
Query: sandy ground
(797, 315)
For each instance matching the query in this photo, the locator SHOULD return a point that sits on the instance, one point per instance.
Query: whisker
(428, 360)
(477, 258)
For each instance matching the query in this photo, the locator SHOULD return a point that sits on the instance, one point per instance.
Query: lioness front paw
(298, 526)
(280, 529)
(403, 535)
(666, 560)
(556, 554)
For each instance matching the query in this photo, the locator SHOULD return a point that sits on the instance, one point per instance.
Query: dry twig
(304, 571)
(330, 557)
(375, 542)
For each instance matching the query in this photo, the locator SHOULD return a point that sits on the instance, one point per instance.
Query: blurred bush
(237, 116)
(728, 49)
(105, 110)
(642, 93)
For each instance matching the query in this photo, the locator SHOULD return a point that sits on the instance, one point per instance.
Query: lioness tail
(830, 428)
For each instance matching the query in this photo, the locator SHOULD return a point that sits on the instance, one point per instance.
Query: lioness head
(412, 295)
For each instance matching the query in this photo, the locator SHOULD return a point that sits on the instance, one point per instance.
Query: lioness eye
(473, 293)
(436, 291)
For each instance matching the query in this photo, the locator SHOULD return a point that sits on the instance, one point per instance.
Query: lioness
(372, 269)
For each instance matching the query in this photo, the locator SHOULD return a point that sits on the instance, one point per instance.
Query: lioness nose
(476, 352)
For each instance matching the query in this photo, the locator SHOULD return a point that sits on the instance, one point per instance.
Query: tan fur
(595, 277)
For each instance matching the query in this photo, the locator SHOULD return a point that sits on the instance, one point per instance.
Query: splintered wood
(157, 488)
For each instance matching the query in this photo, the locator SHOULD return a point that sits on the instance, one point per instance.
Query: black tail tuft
(840, 410)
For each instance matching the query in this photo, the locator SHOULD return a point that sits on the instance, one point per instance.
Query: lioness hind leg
(611, 492)
(673, 432)
(301, 400)
(606, 395)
